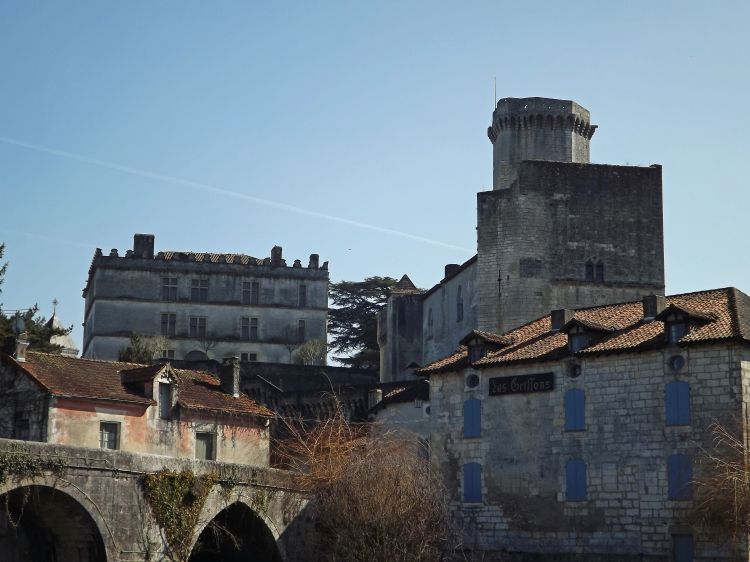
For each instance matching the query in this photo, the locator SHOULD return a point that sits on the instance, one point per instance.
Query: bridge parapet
(108, 486)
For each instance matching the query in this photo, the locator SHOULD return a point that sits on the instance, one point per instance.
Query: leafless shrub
(374, 496)
(722, 485)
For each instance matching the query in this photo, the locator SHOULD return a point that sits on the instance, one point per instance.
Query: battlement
(537, 129)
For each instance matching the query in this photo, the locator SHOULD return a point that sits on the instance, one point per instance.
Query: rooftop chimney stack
(560, 317)
(314, 261)
(22, 343)
(653, 305)
(229, 376)
(276, 256)
(143, 246)
(450, 269)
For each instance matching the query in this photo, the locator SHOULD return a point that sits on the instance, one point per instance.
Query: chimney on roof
(143, 246)
(450, 269)
(560, 317)
(16, 345)
(229, 376)
(276, 256)
(314, 261)
(653, 305)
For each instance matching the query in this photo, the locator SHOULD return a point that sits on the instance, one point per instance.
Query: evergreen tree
(352, 320)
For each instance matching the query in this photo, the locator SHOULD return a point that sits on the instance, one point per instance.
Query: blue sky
(234, 126)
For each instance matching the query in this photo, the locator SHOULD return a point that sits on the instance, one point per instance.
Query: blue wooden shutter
(683, 548)
(472, 482)
(472, 418)
(575, 480)
(679, 477)
(678, 403)
(574, 410)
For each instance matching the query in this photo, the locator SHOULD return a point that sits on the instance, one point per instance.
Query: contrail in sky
(225, 192)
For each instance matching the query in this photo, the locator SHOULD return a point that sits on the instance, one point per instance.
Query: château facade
(204, 304)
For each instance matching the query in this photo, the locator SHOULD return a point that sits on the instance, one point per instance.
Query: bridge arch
(234, 532)
(49, 519)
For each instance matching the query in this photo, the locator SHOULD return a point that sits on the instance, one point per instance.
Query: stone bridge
(72, 504)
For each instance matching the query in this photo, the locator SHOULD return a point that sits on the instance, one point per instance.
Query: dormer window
(578, 341)
(679, 320)
(476, 352)
(676, 331)
(165, 400)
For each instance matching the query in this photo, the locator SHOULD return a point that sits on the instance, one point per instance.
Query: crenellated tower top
(537, 129)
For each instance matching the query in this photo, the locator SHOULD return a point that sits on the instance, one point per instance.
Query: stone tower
(557, 231)
(537, 129)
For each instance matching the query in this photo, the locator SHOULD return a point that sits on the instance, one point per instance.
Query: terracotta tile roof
(102, 380)
(81, 378)
(201, 391)
(501, 340)
(409, 392)
(209, 257)
(725, 315)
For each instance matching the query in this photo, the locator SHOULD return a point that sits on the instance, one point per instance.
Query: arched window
(472, 418)
(589, 270)
(575, 419)
(459, 305)
(430, 328)
(677, 403)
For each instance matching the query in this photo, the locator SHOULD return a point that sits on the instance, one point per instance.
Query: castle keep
(556, 231)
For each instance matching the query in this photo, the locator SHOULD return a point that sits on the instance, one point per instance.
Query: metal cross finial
(54, 306)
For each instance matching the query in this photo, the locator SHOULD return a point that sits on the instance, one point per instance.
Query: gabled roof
(405, 285)
(727, 314)
(685, 310)
(588, 325)
(89, 379)
(497, 339)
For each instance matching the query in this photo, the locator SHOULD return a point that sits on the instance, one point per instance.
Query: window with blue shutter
(678, 403)
(472, 482)
(683, 548)
(575, 480)
(574, 410)
(472, 418)
(679, 477)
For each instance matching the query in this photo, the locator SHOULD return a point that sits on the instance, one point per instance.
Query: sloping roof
(407, 392)
(101, 380)
(405, 285)
(208, 257)
(499, 339)
(728, 310)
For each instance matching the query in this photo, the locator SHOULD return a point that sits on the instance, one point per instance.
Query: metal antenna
(495, 104)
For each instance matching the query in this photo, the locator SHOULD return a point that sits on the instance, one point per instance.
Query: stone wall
(537, 239)
(107, 485)
(447, 329)
(524, 447)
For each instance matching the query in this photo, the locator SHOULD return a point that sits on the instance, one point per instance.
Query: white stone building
(579, 435)
(204, 304)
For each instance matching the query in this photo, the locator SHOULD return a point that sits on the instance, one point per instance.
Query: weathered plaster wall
(524, 447)
(77, 422)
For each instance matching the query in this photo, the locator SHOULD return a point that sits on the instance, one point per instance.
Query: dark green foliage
(176, 500)
(352, 321)
(141, 349)
(21, 465)
(36, 326)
